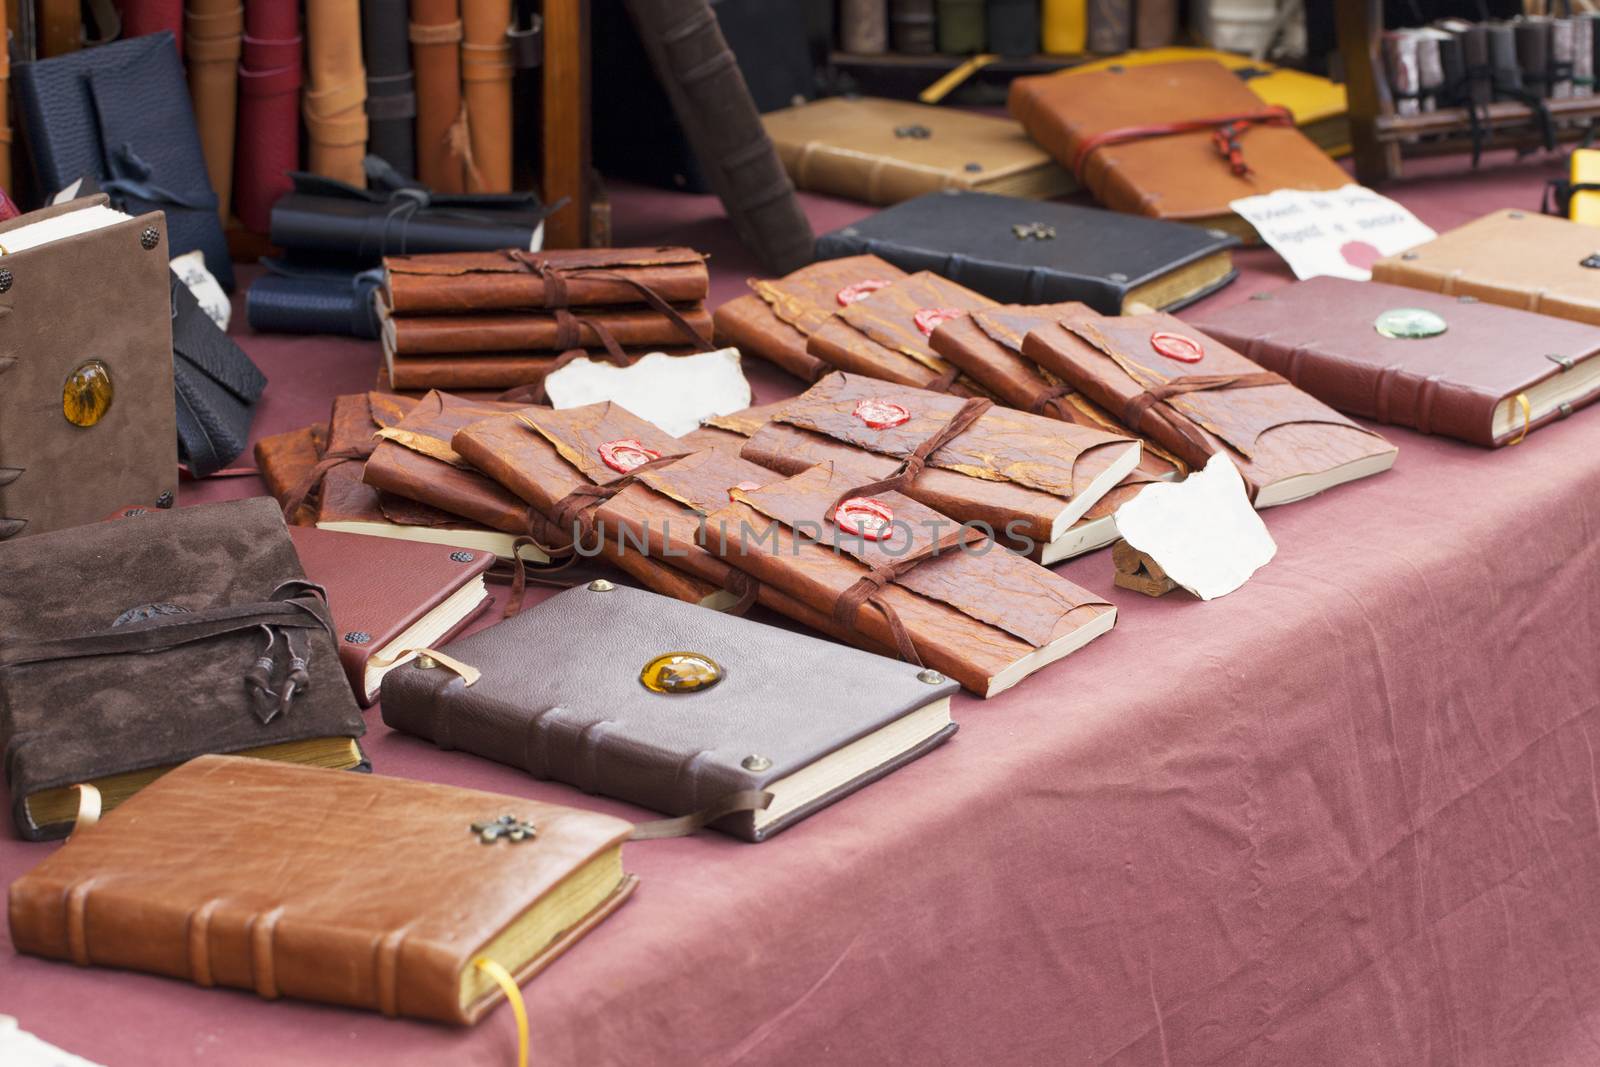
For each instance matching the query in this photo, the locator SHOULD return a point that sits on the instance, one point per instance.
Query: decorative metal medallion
(357, 637)
(930, 319)
(851, 294)
(864, 517)
(87, 394)
(507, 828)
(462, 557)
(973, 168)
(756, 763)
(880, 414)
(164, 500)
(680, 672)
(624, 454)
(148, 611)
(1177, 346)
(931, 677)
(1592, 262)
(5, 279)
(1037, 231)
(1409, 323)
(134, 513)
(916, 132)
(149, 238)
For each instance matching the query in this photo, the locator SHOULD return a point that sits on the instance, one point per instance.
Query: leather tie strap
(541, 531)
(683, 825)
(1226, 130)
(296, 497)
(911, 468)
(570, 511)
(1053, 400)
(1135, 410)
(868, 589)
(556, 294)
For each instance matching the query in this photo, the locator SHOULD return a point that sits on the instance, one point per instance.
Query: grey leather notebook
(673, 706)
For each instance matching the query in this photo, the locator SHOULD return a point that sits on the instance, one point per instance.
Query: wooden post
(1360, 25)
(564, 140)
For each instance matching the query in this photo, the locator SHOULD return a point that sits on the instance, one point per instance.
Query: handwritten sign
(1341, 232)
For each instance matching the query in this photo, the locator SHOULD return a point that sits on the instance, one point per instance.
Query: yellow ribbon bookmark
(1527, 419)
(508, 985)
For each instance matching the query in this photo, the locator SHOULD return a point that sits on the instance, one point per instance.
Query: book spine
(960, 26)
(822, 168)
(1013, 26)
(1110, 26)
(864, 27)
(911, 26)
(1064, 25)
(1155, 23)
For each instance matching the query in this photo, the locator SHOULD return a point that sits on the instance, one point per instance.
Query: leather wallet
(121, 114)
(217, 387)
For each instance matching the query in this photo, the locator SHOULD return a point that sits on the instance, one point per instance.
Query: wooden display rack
(1381, 136)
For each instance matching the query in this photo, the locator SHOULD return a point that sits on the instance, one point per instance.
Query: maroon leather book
(267, 147)
(1435, 363)
(388, 597)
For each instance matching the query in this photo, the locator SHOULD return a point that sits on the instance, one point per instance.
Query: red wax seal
(930, 319)
(864, 517)
(625, 454)
(880, 414)
(1177, 346)
(860, 290)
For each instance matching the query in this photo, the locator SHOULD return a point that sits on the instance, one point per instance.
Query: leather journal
(413, 460)
(687, 711)
(391, 88)
(472, 282)
(1516, 258)
(336, 90)
(1026, 480)
(776, 320)
(86, 400)
(1176, 141)
(120, 114)
(934, 591)
(132, 646)
(884, 334)
(268, 142)
(213, 31)
(886, 151)
(1196, 397)
(1024, 252)
(387, 597)
(355, 890)
(388, 215)
(1439, 364)
(285, 460)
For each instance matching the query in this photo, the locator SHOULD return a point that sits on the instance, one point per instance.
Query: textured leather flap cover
(1319, 334)
(812, 295)
(315, 884)
(71, 720)
(1180, 175)
(581, 715)
(888, 317)
(468, 281)
(1004, 445)
(1036, 605)
(1096, 255)
(1238, 416)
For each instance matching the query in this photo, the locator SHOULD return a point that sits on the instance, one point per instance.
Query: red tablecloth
(1345, 815)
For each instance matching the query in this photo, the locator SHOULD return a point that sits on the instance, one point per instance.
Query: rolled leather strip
(486, 73)
(436, 58)
(268, 142)
(391, 89)
(471, 282)
(140, 17)
(213, 32)
(293, 299)
(336, 90)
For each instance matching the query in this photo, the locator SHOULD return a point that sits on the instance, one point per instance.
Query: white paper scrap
(18, 1048)
(1202, 531)
(1338, 232)
(675, 392)
(191, 270)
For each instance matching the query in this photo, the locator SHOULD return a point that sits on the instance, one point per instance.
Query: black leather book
(1028, 252)
(120, 113)
(391, 87)
(397, 217)
(1013, 26)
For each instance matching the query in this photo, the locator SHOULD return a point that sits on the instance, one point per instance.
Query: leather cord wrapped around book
(453, 283)
(1226, 134)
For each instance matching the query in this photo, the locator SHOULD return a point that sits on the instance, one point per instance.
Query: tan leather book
(775, 322)
(907, 577)
(1196, 397)
(1517, 258)
(347, 889)
(884, 333)
(486, 73)
(213, 32)
(336, 91)
(886, 151)
(1173, 141)
(285, 460)
(1027, 480)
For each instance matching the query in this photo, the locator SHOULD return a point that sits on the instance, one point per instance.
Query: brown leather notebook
(285, 460)
(687, 711)
(641, 327)
(134, 645)
(1439, 364)
(1173, 141)
(1197, 397)
(497, 371)
(1517, 258)
(473, 282)
(908, 578)
(347, 889)
(1027, 480)
(886, 151)
(884, 334)
(388, 597)
(775, 322)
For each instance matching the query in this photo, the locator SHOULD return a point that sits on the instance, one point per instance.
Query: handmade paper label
(1338, 232)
